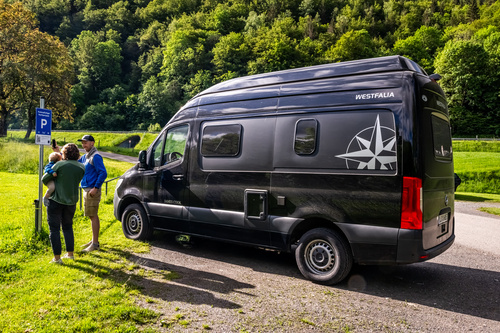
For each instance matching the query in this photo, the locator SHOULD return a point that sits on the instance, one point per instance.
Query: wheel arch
(127, 201)
(314, 222)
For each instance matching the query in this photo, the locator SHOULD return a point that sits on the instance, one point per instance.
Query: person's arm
(47, 177)
(100, 169)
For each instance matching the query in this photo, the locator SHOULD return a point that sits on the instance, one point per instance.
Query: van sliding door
(230, 185)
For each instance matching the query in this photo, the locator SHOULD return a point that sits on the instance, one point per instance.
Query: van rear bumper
(410, 248)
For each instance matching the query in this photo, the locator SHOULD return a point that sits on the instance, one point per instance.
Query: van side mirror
(435, 77)
(142, 159)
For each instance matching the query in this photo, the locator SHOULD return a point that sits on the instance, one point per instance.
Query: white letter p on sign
(43, 122)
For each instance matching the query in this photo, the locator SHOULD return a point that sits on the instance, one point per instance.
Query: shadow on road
(158, 283)
(457, 289)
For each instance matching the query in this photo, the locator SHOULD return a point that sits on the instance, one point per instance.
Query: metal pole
(40, 184)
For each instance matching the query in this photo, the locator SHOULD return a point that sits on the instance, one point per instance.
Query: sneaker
(87, 244)
(58, 261)
(46, 202)
(67, 256)
(91, 247)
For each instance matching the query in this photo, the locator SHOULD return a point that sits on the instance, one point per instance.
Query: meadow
(478, 165)
(105, 141)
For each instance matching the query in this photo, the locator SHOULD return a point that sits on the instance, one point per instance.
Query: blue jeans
(58, 216)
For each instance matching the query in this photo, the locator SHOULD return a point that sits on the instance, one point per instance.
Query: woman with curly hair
(62, 203)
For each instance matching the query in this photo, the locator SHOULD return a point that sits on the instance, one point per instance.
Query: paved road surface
(478, 231)
(114, 156)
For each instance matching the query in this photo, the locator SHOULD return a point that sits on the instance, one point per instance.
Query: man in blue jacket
(94, 177)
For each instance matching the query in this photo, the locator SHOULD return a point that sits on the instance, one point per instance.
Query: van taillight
(411, 209)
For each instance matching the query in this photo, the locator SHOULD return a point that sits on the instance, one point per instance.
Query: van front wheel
(135, 223)
(323, 256)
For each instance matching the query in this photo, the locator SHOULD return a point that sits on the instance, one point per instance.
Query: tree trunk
(28, 132)
(3, 121)
(30, 125)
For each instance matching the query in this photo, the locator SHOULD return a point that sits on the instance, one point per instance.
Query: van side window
(158, 150)
(175, 143)
(170, 146)
(441, 136)
(305, 136)
(221, 140)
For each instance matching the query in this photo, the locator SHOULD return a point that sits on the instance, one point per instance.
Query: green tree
(421, 47)
(277, 47)
(471, 89)
(186, 52)
(32, 64)
(351, 46)
(231, 54)
(98, 63)
(158, 101)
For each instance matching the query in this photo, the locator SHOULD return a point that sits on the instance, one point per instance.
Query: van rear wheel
(323, 256)
(135, 223)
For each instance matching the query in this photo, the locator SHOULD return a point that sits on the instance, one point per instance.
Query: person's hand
(54, 174)
(93, 191)
(56, 149)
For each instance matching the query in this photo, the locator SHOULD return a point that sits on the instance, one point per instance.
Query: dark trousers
(58, 216)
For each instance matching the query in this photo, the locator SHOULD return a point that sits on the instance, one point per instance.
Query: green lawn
(479, 171)
(476, 161)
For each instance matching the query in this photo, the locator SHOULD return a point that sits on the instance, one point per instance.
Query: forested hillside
(136, 62)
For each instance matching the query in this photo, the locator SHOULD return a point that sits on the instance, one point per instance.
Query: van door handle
(178, 177)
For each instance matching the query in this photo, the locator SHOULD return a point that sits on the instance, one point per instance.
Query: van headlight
(118, 183)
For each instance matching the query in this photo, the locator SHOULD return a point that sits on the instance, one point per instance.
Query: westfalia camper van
(339, 164)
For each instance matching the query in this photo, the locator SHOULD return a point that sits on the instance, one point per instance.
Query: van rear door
(438, 173)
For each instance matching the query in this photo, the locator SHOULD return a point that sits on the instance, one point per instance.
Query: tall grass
(19, 157)
(476, 146)
(106, 141)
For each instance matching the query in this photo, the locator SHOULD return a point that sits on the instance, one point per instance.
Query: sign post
(42, 137)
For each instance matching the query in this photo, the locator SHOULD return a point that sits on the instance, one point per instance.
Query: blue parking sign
(43, 126)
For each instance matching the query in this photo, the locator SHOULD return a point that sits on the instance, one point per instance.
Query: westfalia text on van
(338, 163)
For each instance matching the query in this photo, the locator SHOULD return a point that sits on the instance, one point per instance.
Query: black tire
(135, 223)
(323, 256)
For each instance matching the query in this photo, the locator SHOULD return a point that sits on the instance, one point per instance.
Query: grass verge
(490, 210)
(477, 197)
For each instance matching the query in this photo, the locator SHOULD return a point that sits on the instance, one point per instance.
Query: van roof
(364, 66)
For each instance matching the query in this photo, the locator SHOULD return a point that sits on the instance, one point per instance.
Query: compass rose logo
(373, 148)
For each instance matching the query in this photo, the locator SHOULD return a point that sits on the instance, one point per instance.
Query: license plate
(443, 223)
(443, 218)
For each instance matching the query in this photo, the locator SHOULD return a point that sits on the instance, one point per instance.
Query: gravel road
(228, 288)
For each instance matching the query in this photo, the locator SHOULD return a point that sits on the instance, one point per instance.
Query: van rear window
(441, 135)
(223, 140)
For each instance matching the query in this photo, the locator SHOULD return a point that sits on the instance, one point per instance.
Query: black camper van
(338, 163)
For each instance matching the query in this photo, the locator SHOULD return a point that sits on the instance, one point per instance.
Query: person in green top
(62, 203)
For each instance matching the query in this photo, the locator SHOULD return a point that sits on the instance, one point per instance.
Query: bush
(476, 146)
